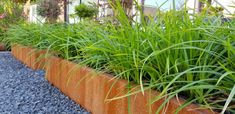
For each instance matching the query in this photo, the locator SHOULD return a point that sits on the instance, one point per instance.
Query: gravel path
(23, 90)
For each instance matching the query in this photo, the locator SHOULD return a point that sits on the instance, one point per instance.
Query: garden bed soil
(2, 47)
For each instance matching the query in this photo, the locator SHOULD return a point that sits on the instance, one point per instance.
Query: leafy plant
(10, 14)
(50, 9)
(176, 55)
(86, 11)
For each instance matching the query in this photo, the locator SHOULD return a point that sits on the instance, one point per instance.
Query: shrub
(50, 9)
(10, 14)
(86, 11)
(175, 55)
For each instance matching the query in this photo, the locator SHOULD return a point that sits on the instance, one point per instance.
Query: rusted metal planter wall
(92, 89)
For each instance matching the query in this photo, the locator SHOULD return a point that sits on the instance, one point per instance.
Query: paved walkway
(23, 90)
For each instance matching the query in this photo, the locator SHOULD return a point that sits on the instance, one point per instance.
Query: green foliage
(10, 15)
(175, 55)
(50, 9)
(86, 11)
(2, 9)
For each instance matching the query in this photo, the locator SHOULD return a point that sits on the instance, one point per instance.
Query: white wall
(227, 4)
(164, 4)
(71, 11)
(193, 6)
(33, 16)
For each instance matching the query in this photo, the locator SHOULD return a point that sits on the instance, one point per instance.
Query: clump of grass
(175, 55)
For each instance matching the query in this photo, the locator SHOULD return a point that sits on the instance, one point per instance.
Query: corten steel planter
(86, 88)
(53, 71)
(16, 51)
(38, 59)
(94, 90)
(33, 58)
(26, 55)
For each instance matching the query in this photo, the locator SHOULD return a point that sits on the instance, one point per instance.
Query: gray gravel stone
(25, 91)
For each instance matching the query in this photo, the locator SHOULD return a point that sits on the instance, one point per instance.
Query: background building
(149, 7)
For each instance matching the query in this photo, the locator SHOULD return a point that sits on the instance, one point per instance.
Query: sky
(166, 3)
